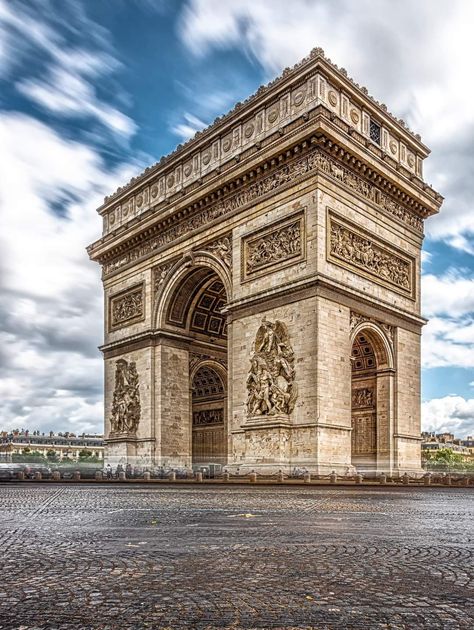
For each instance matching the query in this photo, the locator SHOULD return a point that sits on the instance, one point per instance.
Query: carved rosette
(271, 383)
(127, 307)
(126, 410)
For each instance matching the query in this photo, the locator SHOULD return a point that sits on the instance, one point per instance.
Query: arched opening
(209, 442)
(370, 402)
(193, 309)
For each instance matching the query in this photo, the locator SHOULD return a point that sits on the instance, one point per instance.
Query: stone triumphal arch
(262, 288)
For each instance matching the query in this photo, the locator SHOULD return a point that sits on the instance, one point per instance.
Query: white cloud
(452, 413)
(66, 86)
(67, 94)
(188, 128)
(448, 338)
(448, 343)
(51, 309)
(451, 294)
(416, 56)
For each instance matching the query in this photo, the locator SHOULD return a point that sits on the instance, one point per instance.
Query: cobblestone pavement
(115, 558)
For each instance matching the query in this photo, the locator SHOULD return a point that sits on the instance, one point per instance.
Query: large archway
(371, 391)
(193, 307)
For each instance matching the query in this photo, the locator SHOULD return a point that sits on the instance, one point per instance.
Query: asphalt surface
(108, 557)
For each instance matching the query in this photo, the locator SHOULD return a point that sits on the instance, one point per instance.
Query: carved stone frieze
(279, 243)
(127, 307)
(126, 401)
(208, 416)
(363, 397)
(271, 383)
(310, 163)
(348, 177)
(351, 247)
(357, 318)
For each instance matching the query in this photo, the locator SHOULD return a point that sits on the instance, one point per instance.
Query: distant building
(65, 445)
(435, 441)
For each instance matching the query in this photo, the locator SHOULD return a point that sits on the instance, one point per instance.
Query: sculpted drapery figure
(270, 382)
(126, 401)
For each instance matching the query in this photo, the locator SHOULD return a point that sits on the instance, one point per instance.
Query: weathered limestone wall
(333, 387)
(272, 448)
(408, 398)
(173, 406)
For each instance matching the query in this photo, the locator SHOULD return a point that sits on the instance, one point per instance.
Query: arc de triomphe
(262, 288)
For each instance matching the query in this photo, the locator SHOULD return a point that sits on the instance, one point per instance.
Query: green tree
(52, 456)
(86, 456)
(445, 459)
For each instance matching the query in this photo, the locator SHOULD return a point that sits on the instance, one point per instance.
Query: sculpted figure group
(126, 401)
(270, 382)
(363, 253)
(279, 245)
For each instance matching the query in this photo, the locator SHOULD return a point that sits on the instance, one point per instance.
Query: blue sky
(93, 91)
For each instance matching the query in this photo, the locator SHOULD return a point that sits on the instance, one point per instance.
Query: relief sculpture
(363, 397)
(127, 308)
(270, 382)
(363, 253)
(283, 243)
(126, 401)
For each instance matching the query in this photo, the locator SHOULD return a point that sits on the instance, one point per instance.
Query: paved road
(118, 558)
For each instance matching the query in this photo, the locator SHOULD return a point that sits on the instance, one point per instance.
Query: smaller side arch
(382, 346)
(208, 395)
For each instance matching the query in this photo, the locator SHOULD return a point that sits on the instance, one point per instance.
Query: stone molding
(353, 248)
(127, 307)
(196, 358)
(315, 160)
(278, 245)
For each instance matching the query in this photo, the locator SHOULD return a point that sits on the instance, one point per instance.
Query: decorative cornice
(315, 60)
(274, 175)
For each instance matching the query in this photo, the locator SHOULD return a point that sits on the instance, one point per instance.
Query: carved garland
(352, 248)
(312, 162)
(126, 402)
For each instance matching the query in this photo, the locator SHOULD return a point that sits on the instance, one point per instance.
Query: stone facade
(262, 288)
